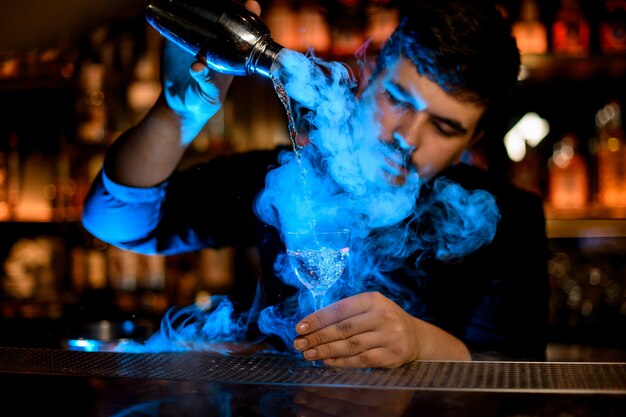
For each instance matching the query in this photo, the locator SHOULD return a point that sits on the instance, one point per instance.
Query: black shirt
(495, 299)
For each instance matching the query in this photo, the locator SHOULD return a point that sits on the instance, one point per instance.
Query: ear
(467, 155)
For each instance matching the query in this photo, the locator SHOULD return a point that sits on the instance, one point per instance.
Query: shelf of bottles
(573, 64)
(64, 105)
(581, 46)
(590, 190)
(110, 79)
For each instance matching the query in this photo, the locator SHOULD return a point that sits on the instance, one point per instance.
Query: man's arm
(147, 154)
(124, 203)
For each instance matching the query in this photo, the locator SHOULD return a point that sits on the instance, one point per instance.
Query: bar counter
(35, 381)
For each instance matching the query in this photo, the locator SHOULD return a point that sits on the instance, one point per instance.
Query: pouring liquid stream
(317, 268)
(284, 99)
(293, 135)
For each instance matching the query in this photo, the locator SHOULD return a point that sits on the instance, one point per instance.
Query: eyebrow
(403, 93)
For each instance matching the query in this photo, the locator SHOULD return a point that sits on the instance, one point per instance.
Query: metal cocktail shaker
(232, 39)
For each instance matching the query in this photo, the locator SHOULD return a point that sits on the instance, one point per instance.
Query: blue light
(128, 327)
(84, 345)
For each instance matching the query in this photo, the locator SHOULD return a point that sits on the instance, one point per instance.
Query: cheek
(384, 123)
(432, 156)
(387, 118)
(378, 108)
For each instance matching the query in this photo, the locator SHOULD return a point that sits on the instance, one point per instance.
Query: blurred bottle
(92, 295)
(611, 154)
(10, 67)
(282, 20)
(231, 38)
(530, 32)
(382, 19)
(122, 269)
(151, 285)
(4, 202)
(530, 173)
(570, 30)
(613, 28)
(91, 105)
(568, 176)
(62, 191)
(314, 30)
(33, 272)
(347, 20)
(14, 175)
(144, 87)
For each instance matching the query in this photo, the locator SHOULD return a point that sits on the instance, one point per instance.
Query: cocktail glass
(318, 258)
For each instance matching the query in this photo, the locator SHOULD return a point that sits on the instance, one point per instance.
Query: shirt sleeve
(124, 216)
(206, 205)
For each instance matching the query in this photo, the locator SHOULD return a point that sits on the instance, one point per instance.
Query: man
(445, 70)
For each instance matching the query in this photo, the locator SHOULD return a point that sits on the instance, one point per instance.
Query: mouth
(398, 164)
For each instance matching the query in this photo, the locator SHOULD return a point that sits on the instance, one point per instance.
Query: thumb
(197, 66)
(254, 7)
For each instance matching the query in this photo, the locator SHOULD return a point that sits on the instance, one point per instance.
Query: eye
(398, 102)
(443, 129)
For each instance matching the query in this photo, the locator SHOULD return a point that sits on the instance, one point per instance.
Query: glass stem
(318, 300)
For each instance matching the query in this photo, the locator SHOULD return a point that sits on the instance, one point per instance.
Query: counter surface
(48, 381)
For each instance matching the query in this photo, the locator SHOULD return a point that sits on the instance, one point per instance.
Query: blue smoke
(339, 182)
(215, 328)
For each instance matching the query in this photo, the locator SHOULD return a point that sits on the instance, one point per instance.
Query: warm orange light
(568, 180)
(531, 37)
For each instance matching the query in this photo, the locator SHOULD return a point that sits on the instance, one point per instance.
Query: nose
(401, 146)
(404, 137)
(401, 143)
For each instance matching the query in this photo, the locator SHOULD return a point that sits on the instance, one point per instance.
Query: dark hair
(465, 46)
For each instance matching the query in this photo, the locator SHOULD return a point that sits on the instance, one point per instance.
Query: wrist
(187, 123)
(435, 343)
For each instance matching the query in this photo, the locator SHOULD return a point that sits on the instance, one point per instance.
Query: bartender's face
(429, 126)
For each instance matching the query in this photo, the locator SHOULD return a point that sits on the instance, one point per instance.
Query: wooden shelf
(585, 228)
(545, 68)
(34, 84)
(591, 222)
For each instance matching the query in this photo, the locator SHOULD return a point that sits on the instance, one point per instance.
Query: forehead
(427, 94)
